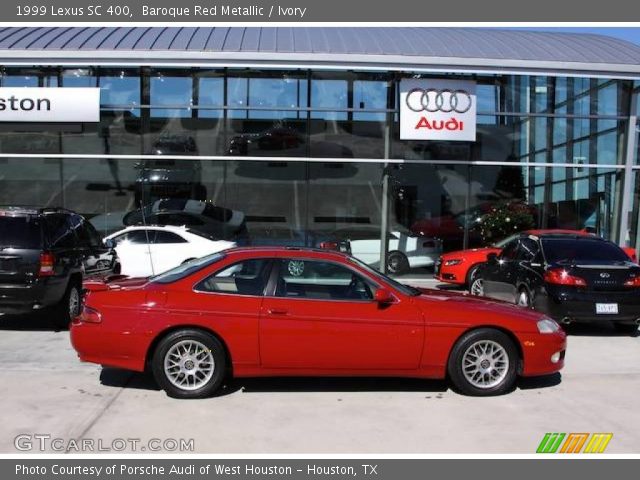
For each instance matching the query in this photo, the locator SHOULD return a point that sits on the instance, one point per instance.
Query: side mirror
(383, 296)
(109, 243)
(492, 258)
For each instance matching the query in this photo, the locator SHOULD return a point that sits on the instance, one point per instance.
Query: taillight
(633, 282)
(47, 262)
(89, 315)
(329, 245)
(559, 276)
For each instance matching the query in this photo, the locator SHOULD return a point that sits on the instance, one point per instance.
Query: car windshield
(581, 250)
(186, 269)
(405, 289)
(20, 232)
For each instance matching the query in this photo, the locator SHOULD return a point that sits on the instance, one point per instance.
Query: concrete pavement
(47, 391)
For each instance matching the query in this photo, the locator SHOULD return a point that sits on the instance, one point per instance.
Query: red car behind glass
(460, 267)
(280, 311)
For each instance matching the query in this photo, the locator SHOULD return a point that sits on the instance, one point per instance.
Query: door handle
(277, 311)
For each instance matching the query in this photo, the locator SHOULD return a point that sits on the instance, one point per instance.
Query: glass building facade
(309, 156)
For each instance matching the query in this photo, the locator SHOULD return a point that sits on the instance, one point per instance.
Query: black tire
(397, 263)
(627, 328)
(472, 274)
(208, 387)
(524, 298)
(503, 383)
(69, 306)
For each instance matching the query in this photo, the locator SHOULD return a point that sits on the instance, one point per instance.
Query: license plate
(607, 308)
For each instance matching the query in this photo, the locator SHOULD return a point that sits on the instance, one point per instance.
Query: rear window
(186, 269)
(570, 250)
(20, 232)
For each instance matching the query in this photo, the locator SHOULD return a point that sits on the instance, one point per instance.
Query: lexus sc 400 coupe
(278, 311)
(571, 278)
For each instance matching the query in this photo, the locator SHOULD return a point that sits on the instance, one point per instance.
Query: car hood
(466, 310)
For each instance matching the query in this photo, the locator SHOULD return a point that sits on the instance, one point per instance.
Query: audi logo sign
(44, 105)
(436, 109)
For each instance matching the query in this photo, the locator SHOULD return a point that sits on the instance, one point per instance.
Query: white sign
(435, 109)
(26, 104)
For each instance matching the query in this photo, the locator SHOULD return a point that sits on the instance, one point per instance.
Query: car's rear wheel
(69, 306)
(397, 263)
(483, 362)
(627, 328)
(189, 364)
(477, 287)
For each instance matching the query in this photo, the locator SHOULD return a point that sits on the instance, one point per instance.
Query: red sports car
(460, 267)
(278, 311)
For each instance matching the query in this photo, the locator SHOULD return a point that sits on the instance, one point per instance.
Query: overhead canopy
(378, 48)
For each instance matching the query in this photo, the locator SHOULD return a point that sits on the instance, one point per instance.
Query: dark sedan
(571, 278)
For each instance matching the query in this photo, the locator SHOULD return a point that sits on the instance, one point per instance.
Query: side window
(301, 278)
(168, 237)
(136, 237)
(61, 231)
(510, 251)
(87, 234)
(528, 249)
(248, 277)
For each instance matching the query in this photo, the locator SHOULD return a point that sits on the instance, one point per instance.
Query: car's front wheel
(483, 362)
(477, 287)
(189, 363)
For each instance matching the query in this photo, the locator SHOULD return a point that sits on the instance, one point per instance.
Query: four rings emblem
(433, 100)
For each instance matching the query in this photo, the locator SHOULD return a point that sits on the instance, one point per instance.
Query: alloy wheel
(189, 365)
(477, 287)
(485, 364)
(74, 302)
(523, 299)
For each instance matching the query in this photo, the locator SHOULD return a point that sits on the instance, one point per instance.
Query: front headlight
(451, 263)
(546, 325)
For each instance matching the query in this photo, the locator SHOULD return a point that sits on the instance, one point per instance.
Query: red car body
(411, 336)
(457, 267)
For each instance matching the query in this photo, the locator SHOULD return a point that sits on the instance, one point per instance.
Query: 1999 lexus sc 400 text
(252, 312)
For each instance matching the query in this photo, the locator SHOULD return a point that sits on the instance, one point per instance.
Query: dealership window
(326, 116)
(168, 88)
(210, 94)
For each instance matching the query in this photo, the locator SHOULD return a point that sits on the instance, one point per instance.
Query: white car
(150, 250)
(406, 250)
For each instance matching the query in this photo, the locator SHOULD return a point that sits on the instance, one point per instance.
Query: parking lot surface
(46, 390)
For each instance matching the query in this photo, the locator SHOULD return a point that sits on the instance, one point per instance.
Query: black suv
(44, 255)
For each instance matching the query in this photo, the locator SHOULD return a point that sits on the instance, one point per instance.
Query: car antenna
(146, 231)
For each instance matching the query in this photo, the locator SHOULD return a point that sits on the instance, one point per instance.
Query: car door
(321, 315)
(134, 250)
(230, 300)
(169, 250)
(97, 258)
(530, 266)
(500, 276)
